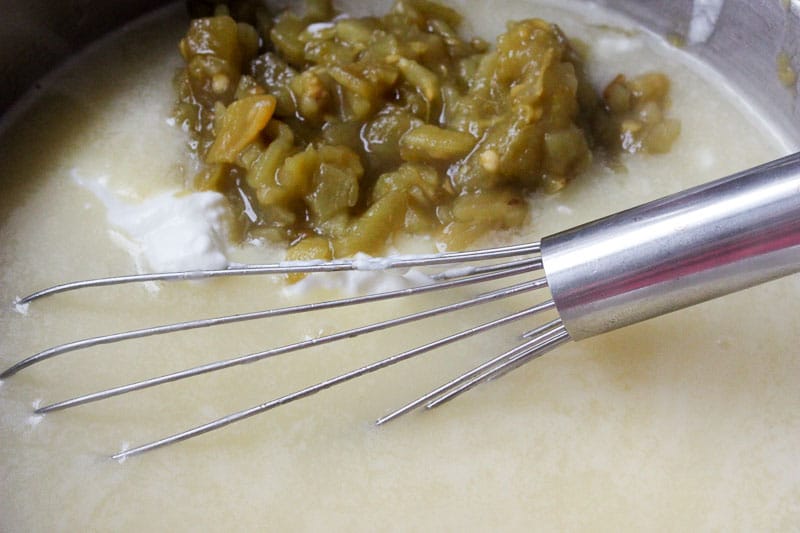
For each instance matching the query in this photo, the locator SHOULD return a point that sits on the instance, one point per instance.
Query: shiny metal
(542, 340)
(678, 251)
(536, 348)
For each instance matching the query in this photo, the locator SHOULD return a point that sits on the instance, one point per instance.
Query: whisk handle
(677, 251)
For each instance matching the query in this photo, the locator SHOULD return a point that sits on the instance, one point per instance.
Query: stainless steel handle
(678, 251)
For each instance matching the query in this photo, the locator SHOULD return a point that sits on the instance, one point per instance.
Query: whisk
(650, 260)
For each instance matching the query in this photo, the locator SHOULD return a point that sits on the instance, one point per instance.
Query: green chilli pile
(335, 134)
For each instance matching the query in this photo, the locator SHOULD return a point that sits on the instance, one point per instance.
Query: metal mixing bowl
(747, 37)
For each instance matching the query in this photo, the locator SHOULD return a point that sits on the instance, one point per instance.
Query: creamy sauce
(690, 421)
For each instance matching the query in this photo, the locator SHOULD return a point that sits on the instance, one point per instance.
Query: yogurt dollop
(170, 231)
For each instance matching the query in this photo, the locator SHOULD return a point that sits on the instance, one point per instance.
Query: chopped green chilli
(333, 134)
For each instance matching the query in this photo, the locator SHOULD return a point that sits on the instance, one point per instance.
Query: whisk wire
(541, 345)
(251, 358)
(497, 271)
(525, 347)
(313, 389)
(298, 267)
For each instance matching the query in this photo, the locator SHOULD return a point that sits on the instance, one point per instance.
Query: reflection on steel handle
(678, 251)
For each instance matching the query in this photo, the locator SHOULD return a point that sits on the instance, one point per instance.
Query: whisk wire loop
(297, 267)
(313, 389)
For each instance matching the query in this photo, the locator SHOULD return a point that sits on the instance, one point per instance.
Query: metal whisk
(650, 260)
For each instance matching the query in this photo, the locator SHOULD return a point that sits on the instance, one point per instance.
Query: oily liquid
(688, 421)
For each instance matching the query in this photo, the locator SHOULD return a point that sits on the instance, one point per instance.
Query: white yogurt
(171, 231)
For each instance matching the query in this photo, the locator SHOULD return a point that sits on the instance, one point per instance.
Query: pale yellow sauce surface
(687, 422)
